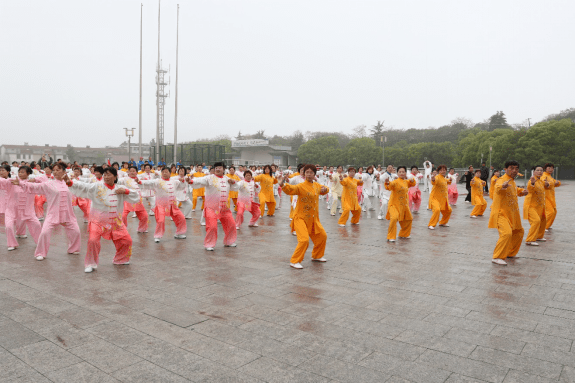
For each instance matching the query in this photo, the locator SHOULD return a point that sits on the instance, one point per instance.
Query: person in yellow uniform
(534, 207)
(306, 219)
(550, 204)
(505, 214)
(398, 206)
(439, 198)
(233, 194)
(477, 198)
(200, 192)
(349, 202)
(267, 181)
(496, 174)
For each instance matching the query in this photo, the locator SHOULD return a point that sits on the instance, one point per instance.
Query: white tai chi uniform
(384, 194)
(149, 195)
(427, 176)
(369, 193)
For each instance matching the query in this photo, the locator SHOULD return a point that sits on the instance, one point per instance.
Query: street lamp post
(129, 133)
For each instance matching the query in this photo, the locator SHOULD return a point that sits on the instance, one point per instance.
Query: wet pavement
(429, 309)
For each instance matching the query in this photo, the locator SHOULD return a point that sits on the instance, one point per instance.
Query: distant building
(260, 152)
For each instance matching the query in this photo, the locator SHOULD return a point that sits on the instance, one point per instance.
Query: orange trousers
(478, 210)
(509, 239)
(537, 228)
(345, 215)
(446, 214)
(304, 232)
(393, 220)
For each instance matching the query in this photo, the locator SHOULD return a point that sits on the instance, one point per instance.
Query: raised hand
(556, 183)
(231, 181)
(15, 181)
(505, 185)
(546, 184)
(120, 190)
(532, 180)
(323, 189)
(340, 177)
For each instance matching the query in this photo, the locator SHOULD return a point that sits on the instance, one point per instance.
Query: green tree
(498, 120)
(552, 141)
(377, 130)
(323, 150)
(71, 154)
(362, 152)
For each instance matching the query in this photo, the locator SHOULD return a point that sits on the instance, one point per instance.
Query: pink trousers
(119, 235)
(72, 232)
(227, 219)
(174, 212)
(39, 201)
(414, 200)
(452, 194)
(84, 205)
(142, 216)
(254, 210)
(33, 224)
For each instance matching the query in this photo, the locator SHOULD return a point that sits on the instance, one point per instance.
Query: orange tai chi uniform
(506, 218)
(438, 201)
(398, 208)
(234, 194)
(492, 186)
(349, 201)
(477, 198)
(267, 193)
(534, 210)
(200, 192)
(306, 219)
(550, 204)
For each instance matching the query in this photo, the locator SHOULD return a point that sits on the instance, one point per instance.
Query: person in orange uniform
(438, 198)
(306, 219)
(534, 207)
(477, 198)
(200, 192)
(505, 214)
(496, 174)
(267, 181)
(233, 194)
(550, 204)
(349, 201)
(398, 206)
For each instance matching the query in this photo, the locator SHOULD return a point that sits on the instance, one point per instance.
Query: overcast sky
(70, 69)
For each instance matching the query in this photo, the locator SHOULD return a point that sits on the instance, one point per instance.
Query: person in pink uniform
(4, 174)
(59, 211)
(247, 192)
(452, 192)
(83, 204)
(217, 191)
(131, 181)
(106, 217)
(166, 204)
(414, 193)
(20, 209)
(40, 200)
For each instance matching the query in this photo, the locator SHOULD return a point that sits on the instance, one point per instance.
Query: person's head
(173, 168)
(402, 171)
(267, 170)
(492, 167)
(339, 168)
(48, 170)
(538, 171)
(248, 175)
(77, 171)
(442, 169)
(147, 168)
(33, 165)
(14, 163)
(496, 172)
(414, 169)
(549, 168)
(133, 171)
(427, 164)
(59, 170)
(182, 171)
(360, 170)
(483, 164)
(452, 171)
(511, 168)
(232, 170)
(98, 172)
(300, 168)
(219, 168)
(351, 172)
(370, 169)
(309, 171)
(389, 168)
(274, 168)
(116, 165)
(478, 173)
(331, 168)
(470, 168)
(289, 167)
(5, 171)
(110, 175)
(324, 167)
(165, 172)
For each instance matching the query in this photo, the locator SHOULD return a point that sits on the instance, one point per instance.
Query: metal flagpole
(176, 112)
(158, 95)
(140, 118)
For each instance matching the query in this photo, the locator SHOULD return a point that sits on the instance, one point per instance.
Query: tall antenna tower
(161, 100)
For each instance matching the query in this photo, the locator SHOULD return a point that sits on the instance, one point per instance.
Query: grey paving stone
(514, 376)
(408, 370)
(568, 375)
(273, 371)
(346, 350)
(105, 356)
(464, 366)
(29, 377)
(549, 354)
(437, 343)
(342, 371)
(117, 334)
(14, 335)
(66, 335)
(80, 373)
(81, 318)
(495, 342)
(45, 356)
(176, 316)
(532, 337)
(12, 368)
(146, 372)
(457, 378)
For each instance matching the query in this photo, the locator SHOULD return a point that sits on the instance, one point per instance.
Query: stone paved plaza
(429, 309)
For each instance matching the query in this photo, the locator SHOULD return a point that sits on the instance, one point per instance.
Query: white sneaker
(333, 214)
(408, 237)
(156, 240)
(88, 269)
(126, 263)
(39, 258)
(320, 260)
(391, 240)
(193, 210)
(546, 230)
(11, 248)
(254, 225)
(354, 223)
(134, 215)
(142, 231)
(444, 225)
(498, 261)
(531, 243)
(474, 217)
(430, 227)
(231, 245)
(85, 221)
(294, 233)
(237, 228)
(296, 265)
(179, 236)
(341, 225)
(151, 213)
(379, 217)
(40, 219)
(541, 239)
(204, 224)
(209, 249)
(21, 236)
(73, 253)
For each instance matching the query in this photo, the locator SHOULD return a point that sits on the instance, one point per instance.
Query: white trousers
(186, 208)
(383, 207)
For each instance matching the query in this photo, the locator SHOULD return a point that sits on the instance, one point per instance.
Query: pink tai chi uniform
(216, 208)
(106, 219)
(247, 193)
(19, 212)
(166, 204)
(452, 192)
(40, 200)
(414, 194)
(138, 208)
(59, 212)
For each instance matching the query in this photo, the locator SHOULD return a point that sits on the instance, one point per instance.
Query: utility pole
(176, 111)
(140, 118)
(529, 120)
(383, 140)
(158, 93)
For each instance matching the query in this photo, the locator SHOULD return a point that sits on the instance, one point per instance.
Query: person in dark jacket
(485, 176)
(469, 175)
(44, 162)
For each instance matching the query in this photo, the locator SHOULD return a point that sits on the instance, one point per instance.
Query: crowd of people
(108, 194)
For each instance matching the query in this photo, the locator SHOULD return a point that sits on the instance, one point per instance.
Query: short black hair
(219, 164)
(100, 170)
(113, 171)
(549, 165)
(134, 167)
(413, 166)
(62, 166)
(26, 168)
(402, 166)
(442, 166)
(248, 172)
(310, 166)
(7, 168)
(511, 163)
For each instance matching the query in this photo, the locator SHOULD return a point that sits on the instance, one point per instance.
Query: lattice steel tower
(161, 100)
